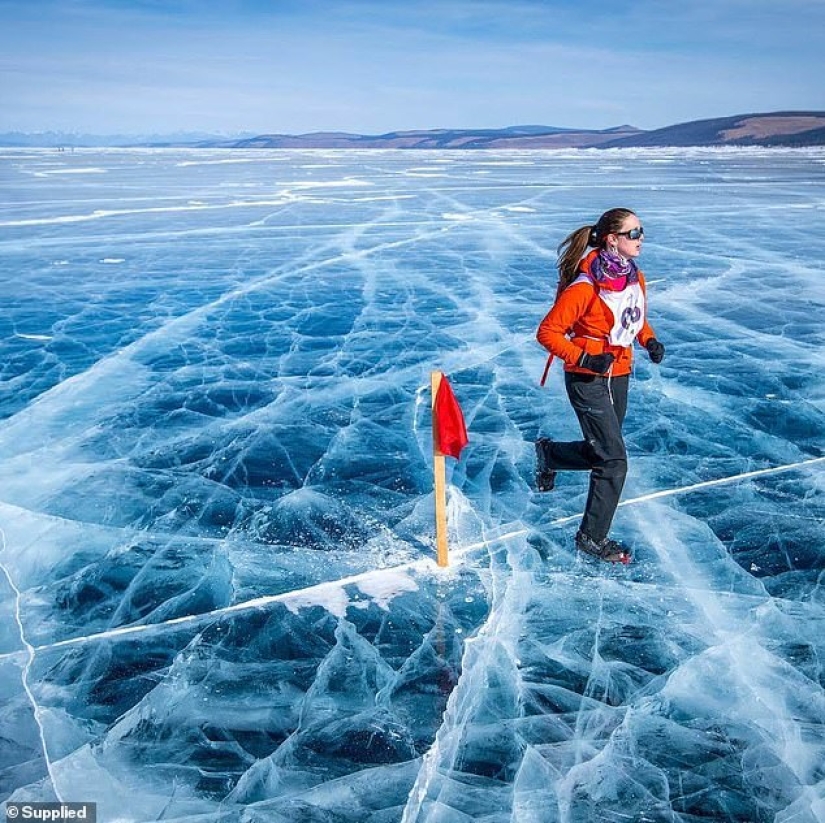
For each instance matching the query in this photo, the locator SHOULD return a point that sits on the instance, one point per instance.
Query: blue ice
(218, 592)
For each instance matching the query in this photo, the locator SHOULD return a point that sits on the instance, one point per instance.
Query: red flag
(448, 421)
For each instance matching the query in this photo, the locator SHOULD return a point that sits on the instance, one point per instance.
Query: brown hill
(786, 128)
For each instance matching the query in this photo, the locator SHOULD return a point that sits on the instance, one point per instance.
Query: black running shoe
(605, 549)
(545, 477)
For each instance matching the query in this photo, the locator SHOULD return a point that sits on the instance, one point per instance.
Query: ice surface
(217, 586)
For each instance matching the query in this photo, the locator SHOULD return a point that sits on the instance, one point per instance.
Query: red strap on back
(546, 370)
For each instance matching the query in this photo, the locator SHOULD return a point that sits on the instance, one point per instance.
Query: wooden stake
(440, 478)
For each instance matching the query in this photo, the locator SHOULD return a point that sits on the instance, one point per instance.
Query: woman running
(600, 309)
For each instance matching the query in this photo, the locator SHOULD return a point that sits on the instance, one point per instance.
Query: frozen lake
(217, 583)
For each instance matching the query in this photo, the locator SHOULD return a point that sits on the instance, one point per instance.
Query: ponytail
(571, 250)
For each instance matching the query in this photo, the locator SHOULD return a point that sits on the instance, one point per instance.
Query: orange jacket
(581, 322)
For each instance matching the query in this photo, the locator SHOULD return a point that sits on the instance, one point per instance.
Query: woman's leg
(600, 404)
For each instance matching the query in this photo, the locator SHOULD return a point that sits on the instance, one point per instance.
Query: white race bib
(628, 310)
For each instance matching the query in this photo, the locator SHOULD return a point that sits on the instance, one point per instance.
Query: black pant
(600, 404)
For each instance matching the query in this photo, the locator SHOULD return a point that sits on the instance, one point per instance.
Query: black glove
(655, 349)
(599, 363)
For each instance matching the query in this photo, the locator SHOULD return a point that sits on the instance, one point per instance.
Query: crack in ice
(308, 594)
(431, 764)
(183, 323)
(30, 654)
(751, 667)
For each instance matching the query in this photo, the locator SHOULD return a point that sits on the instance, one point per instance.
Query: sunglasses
(633, 234)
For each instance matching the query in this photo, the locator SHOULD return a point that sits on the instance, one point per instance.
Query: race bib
(628, 310)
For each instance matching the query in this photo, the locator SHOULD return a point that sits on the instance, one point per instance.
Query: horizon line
(411, 130)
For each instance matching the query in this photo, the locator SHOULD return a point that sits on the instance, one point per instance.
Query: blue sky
(372, 66)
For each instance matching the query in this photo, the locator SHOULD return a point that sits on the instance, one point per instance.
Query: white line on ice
(322, 592)
(30, 651)
(705, 484)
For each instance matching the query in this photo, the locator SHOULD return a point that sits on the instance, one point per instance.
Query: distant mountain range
(781, 128)
(62, 139)
(512, 137)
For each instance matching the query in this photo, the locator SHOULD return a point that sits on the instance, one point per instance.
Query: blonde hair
(573, 247)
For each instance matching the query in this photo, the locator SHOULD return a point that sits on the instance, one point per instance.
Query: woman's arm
(572, 304)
